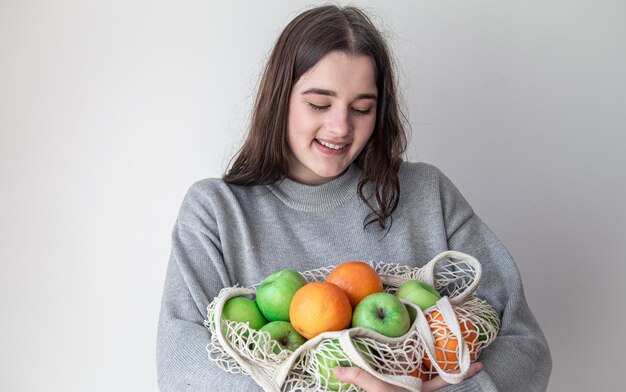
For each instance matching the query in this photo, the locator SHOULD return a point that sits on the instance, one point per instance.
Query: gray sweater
(227, 235)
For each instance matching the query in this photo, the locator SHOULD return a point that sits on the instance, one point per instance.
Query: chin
(336, 168)
(318, 172)
(330, 174)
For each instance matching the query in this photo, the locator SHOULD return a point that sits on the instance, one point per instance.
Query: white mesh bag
(445, 337)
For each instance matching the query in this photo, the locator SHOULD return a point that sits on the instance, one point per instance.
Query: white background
(109, 110)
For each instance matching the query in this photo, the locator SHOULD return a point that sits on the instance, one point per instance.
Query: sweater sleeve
(519, 358)
(195, 274)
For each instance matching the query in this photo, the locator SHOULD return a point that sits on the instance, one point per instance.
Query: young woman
(320, 180)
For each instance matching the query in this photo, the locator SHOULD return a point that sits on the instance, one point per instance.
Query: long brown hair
(263, 159)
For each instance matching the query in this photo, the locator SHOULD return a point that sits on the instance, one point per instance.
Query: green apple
(284, 334)
(275, 293)
(244, 310)
(383, 313)
(420, 293)
(329, 355)
(482, 333)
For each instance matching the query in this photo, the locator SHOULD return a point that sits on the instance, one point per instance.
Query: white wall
(110, 110)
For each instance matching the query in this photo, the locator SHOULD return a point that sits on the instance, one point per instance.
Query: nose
(339, 122)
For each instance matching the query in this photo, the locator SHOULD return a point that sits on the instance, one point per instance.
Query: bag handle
(429, 273)
(425, 334)
(260, 375)
(449, 317)
(347, 345)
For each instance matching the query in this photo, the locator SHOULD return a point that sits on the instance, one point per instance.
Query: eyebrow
(331, 93)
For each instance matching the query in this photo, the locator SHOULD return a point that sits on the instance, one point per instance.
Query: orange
(446, 344)
(356, 279)
(319, 307)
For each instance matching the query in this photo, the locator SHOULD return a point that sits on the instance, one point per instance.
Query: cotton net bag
(446, 337)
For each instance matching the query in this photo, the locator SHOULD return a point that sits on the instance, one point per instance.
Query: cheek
(300, 122)
(367, 129)
(294, 130)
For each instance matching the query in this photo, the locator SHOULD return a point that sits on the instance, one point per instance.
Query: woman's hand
(369, 383)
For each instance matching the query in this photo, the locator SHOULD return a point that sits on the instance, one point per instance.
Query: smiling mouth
(332, 146)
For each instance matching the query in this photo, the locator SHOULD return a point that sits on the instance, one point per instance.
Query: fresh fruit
(484, 334)
(420, 293)
(329, 354)
(244, 310)
(445, 342)
(383, 313)
(356, 279)
(274, 294)
(284, 334)
(319, 307)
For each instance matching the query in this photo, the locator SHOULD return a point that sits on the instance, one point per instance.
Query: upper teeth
(330, 145)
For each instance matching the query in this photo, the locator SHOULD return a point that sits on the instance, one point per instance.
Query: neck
(321, 197)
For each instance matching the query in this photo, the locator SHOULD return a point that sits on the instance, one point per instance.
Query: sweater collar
(317, 198)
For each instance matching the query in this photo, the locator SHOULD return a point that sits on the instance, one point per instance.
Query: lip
(331, 151)
(331, 141)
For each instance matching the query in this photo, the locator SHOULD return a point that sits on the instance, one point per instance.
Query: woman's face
(332, 114)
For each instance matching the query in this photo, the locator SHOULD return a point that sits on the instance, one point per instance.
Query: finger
(438, 382)
(360, 378)
(473, 369)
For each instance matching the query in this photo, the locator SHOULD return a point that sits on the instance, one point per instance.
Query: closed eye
(360, 112)
(320, 108)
